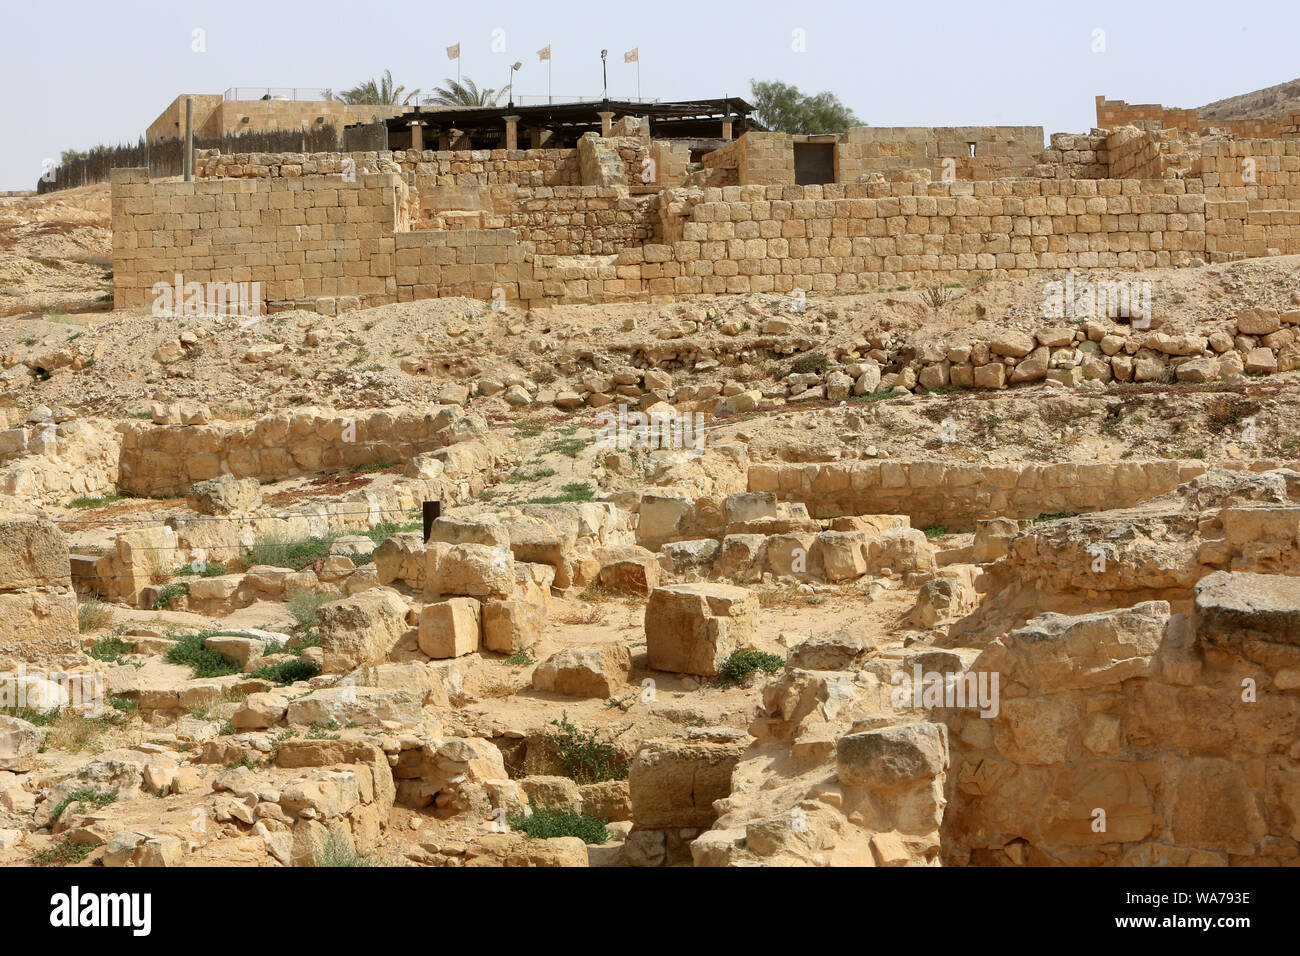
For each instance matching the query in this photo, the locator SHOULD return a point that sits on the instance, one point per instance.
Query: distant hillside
(1262, 104)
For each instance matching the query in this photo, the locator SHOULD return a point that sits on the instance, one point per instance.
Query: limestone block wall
(1148, 154)
(956, 495)
(310, 239)
(764, 239)
(299, 237)
(469, 262)
(1127, 738)
(975, 152)
(444, 168)
(1075, 156)
(215, 116)
(166, 459)
(170, 123)
(1113, 113)
(38, 610)
(1252, 193)
(580, 220)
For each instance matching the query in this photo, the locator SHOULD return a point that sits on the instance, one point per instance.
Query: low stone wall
(166, 459)
(956, 495)
(1136, 738)
(446, 168)
(38, 610)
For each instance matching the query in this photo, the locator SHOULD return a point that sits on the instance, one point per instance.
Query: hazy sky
(84, 73)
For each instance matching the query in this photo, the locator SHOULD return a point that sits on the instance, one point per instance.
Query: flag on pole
(544, 53)
(453, 52)
(633, 55)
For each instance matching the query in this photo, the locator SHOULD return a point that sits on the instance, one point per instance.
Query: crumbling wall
(445, 168)
(1075, 156)
(168, 459)
(38, 610)
(1137, 737)
(956, 495)
(1114, 113)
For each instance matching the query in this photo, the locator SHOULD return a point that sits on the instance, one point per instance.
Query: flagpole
(638, 75)
(548, 78)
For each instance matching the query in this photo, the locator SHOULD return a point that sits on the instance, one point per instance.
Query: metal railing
(529, 100)
(306, 94)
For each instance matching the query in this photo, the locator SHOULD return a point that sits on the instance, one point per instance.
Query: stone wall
(580, 220)
(446, 168)
(301, 237)
(166, 459)
(311, 239)
(215, 116)
(1148, 154)
(956, 495)
(38, 610)
(1075, 156)
(967, 152)
(1137, 737)
(1252, 198)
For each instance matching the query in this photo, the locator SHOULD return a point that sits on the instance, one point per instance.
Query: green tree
(785, 109)
(464, 93)
(378, 93)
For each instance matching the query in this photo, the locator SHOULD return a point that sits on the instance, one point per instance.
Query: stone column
(726, 128)
(606, 120)
(417, 134)
(512, 131)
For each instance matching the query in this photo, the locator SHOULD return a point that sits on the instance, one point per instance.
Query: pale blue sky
(83, 73)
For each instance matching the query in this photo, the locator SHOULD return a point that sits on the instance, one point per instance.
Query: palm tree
(381, 93)
(464, 93)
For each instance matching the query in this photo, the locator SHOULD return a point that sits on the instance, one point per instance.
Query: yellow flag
(544, 53)
(632, 55)
(453, 52)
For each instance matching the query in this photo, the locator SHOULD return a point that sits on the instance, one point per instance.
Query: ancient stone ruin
(666, 495)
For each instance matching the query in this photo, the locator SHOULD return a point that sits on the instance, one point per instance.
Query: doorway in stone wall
(814, 163)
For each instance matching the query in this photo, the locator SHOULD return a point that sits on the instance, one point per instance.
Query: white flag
(632, 55)
(544, 53)
(453, 52)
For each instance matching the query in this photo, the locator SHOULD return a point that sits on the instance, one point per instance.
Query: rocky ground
(615, 655)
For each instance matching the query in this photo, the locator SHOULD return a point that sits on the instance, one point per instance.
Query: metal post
(189, 139)
(432, 510)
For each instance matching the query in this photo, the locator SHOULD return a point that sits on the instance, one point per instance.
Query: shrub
(281, 552)
(170, 593)
(81, 797)
(63, 853)
(206, 569)
(109, 649)
(809, 362)
(935, 531)
(584, 757)
(386, 529)
(336, 852)
(303, 607)
(189, 650)
(287, 672)
(743, 663)
(546, 822)
(573, 491)
(92, 613)
(100, 502)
